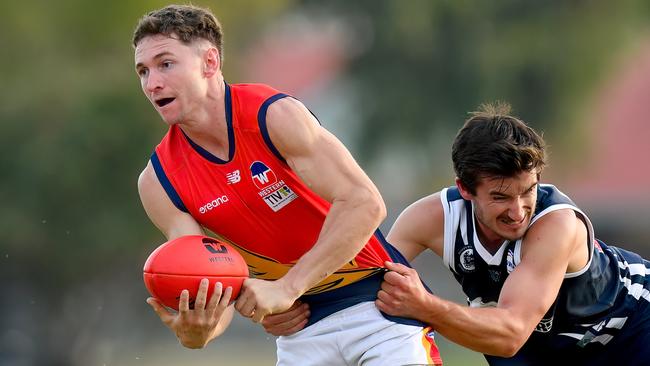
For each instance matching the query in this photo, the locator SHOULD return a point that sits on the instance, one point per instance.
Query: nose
(517, 210)
(153, 82)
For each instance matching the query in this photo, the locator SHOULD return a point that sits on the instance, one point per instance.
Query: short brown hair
(187, 22)
(494, 144)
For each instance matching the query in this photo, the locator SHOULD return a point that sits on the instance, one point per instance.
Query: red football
(181, 263)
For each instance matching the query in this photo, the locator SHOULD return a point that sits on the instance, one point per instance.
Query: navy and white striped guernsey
(594, 307)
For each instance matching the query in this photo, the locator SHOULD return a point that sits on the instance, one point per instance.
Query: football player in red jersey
(255, 167)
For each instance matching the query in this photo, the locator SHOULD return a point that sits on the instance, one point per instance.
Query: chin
(517, 234)
(169, 121)
(512, 235)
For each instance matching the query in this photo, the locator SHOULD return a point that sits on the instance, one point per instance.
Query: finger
(295, 313)
(395, 278)
(287, 319)
(164, 314)
(382, 306)
(202, 294)
(387, 287)
(247, 282)
(258, 315)
(383, 296)
(242, 299)
(216, 296)
(245, 306)
(184, 302)
(388, 299)
(398, 267)
(287, 331)
(225, 298)
(297, 327)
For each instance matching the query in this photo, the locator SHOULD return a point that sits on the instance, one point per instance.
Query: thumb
(398, 267)
(160, 310)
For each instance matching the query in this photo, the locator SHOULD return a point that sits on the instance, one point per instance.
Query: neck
(490, 240)
(208, 128)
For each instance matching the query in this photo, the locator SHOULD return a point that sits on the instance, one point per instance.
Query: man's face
(171, 76)
(503, 207)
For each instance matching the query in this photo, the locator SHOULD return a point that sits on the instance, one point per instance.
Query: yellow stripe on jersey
(267, 268)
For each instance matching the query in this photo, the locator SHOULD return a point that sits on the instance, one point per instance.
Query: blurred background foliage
(393, 79)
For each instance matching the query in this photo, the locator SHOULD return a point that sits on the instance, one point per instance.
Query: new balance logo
(233, 177)
(213, 204)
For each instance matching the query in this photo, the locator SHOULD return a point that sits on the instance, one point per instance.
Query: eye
(143, 72)
(166, 64)
(499, 198)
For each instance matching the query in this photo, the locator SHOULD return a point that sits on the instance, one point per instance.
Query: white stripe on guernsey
(635, 269)
(616, 323)
(636, 290)
(603, 338)
(573, 335)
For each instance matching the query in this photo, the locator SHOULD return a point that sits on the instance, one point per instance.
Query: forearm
(347, 228)
(489, 330)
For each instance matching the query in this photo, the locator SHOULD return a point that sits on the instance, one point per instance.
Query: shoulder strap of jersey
(250, 102)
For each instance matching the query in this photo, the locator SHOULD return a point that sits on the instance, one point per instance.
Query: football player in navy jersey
(540, 286)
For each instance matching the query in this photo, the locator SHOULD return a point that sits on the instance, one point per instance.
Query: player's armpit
(172, 222)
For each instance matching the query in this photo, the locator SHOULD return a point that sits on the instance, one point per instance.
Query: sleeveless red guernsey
(254, 200)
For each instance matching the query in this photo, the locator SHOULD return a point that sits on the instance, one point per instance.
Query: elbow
(376, 207)
(510, 345)
(509, 349)
(364, 203)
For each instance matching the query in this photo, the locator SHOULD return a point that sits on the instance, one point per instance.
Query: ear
(464, 192)
(211, 62)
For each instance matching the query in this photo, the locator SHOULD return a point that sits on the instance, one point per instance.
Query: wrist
(290, 288)
(435, 309)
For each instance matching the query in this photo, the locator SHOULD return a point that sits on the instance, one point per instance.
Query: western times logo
(276, 194)
(262, 175)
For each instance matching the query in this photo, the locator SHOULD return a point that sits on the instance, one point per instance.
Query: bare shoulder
(151, 192)
(563, 231)
(421, 223)
(560, 222)
(291, 126)
(147, 177)
(424, 208)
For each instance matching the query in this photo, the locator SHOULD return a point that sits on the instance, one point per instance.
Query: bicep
(168, 218)
(320, 160)
(546, 249)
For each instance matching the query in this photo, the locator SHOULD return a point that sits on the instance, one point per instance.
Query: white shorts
(358, 336)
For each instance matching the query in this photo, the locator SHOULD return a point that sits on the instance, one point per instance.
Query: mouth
(512, 223)
(164, 101)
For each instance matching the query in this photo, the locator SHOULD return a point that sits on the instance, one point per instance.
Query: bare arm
(418, 227)
(327, 168)
(193, 327)
(503, 329)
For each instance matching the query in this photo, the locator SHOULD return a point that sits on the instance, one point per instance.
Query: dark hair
(494, 144)
(187, 22)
